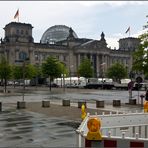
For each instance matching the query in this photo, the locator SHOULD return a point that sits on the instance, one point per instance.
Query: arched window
(26, 32)
(22, 55)
(17, 32)
(22, 32)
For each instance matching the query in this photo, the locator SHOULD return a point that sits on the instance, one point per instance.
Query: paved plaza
(27, 129)
(55, 126)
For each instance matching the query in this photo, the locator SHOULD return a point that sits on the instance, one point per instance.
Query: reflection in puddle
(14, 138)
(35, 130)
(21, 132)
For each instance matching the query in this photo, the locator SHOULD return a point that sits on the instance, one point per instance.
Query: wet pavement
(21, 128)
(27, 129)
(89, 95)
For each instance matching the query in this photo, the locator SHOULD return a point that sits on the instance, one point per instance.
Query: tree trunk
(5, 84)
(50, 83)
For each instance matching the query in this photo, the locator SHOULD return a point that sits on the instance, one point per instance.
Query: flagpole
(18, 19)
(128, 31)
(18, 14)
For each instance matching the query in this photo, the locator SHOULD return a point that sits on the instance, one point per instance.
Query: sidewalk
(74, 113)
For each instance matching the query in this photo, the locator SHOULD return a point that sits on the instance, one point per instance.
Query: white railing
(128, 131)
(119, 126)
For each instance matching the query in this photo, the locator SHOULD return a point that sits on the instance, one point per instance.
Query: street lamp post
(102, 71)
(63, 82)
(63, 75)
(24, 66)
(23, 78)
(71, 66)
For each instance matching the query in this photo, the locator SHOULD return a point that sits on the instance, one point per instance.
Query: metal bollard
(21, 105)
(142, 96)
(80, 103)
(66, 102)
(0, 106)
(45, 103)
(99, 104)
(116, 103)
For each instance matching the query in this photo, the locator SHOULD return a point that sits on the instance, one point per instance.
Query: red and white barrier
(118, 130)
(117, 143)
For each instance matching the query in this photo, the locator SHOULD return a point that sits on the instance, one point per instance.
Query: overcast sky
(87, 18)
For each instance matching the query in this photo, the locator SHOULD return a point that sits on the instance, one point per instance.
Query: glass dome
(56, 33)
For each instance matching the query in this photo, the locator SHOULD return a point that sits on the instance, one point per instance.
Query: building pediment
(93, 45)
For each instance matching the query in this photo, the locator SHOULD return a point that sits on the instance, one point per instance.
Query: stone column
(102, 59)
(97, 65)
(78, 59)
(91, 59)
(106, 62)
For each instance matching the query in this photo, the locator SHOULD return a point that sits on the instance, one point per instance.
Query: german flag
(16, 14)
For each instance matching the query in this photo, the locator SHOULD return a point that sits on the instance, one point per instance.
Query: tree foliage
(17, 72)
(51, 67)
(140, 57)
(117, 72)
(5, 70)
(29, 71)
(85, 69)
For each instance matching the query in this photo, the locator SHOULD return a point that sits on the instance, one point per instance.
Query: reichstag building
(63, 43)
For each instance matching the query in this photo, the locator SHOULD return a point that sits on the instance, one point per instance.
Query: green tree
(23, 72)
(38, 75)
(117, 72)
(5, 71)
(17, 73)
(30, 71)
(140, 57)
(85, 69)
(52, 68)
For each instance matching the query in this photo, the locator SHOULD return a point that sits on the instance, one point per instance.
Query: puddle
(14, 138)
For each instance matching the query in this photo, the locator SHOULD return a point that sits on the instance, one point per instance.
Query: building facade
(63, 43)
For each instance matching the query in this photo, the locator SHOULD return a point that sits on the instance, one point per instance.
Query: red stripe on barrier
(136, 144)
(87, 143)
(110, 143)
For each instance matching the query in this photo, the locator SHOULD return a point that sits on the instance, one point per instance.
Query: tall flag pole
(17, 15)
(128, 30)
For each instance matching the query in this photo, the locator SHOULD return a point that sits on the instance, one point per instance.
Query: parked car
(52, 85)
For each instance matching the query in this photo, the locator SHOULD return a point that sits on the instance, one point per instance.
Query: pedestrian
(146, 95)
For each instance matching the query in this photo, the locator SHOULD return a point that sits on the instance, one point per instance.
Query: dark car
(53, 85)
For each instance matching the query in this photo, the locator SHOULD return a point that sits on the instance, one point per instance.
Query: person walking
(146, 95)
(146, 102)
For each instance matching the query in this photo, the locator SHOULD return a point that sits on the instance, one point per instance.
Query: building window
(57, 57)
(22, 55)
(43, 57)
(22, 32)
(26, 32)
(36, 57)
(17, 32)
(64, 58)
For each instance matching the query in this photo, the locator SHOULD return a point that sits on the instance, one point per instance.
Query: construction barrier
(117, 130)
(117, 143)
